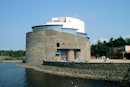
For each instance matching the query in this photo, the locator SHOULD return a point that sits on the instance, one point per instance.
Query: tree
(93, 50)
(12, 53)
(99, 49)
(102, 48)
(119, 42)
(127, 41)
(111, 42)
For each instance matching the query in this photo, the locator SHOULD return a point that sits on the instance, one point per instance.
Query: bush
(8, 58)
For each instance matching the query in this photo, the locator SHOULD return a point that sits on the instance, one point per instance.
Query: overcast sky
(103, 18)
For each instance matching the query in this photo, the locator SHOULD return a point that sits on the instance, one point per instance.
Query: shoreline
(10, 61)
(74, 72)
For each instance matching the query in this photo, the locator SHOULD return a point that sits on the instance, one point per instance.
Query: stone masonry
(42, 45)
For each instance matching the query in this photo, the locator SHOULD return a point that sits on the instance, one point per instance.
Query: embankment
(97, 71)
(9, 61)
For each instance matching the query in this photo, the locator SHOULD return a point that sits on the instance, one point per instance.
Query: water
(11, 76)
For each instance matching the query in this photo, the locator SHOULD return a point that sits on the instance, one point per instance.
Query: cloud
(94, 41)
(127, 36)
(101, 39)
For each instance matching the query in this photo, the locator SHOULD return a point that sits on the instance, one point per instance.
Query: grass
(7, 61)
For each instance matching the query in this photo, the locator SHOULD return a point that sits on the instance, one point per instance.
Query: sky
(103, 18)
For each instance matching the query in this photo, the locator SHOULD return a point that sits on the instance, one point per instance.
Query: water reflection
(40, 79)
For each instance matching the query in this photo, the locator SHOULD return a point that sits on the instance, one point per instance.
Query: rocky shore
(96, 74)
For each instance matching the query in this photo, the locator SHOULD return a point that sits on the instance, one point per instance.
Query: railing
(59, 29)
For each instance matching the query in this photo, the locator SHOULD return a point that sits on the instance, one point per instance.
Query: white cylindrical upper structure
(68, 22)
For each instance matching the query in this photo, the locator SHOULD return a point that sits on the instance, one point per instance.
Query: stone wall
(93, 66)
(41, 45)
(103, 71)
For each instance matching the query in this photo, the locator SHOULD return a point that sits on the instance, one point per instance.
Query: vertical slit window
(58, 44)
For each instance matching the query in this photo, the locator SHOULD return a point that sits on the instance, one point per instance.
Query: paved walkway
(108, 61)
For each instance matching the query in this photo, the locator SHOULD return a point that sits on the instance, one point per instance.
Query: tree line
(11, 53)
(102, 48)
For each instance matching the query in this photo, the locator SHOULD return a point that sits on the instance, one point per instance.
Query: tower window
(58, 44)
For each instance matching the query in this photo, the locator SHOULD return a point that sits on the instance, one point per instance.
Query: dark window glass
(58, 44)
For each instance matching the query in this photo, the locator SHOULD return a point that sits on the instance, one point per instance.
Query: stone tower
(60, 39)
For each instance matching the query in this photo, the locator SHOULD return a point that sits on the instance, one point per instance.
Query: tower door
(63, 54)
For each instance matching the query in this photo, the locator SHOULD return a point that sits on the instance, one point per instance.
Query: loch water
(11, 76)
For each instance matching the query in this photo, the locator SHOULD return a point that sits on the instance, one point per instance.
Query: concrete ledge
(92, 66)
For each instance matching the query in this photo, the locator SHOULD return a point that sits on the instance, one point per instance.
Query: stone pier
(70, 55)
